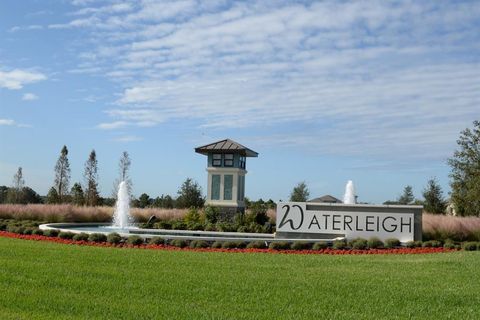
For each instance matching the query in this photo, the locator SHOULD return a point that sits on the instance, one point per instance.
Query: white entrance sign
(293, 217)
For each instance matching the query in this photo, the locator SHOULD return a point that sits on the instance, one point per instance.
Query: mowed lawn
(41, 280)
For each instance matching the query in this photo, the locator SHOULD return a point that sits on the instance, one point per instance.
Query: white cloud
(128, 139)
(29, 27)
(17, 78)
(347, 77)
(112, 125)
(13, 123)
(29, 97)
(7, 122)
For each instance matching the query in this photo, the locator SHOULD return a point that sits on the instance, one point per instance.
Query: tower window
(217, 160)
(228, 161)
(242, 162)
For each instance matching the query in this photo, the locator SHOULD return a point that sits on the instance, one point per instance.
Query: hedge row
(31, 228)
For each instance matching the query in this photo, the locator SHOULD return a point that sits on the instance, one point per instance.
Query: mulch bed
(166, 247)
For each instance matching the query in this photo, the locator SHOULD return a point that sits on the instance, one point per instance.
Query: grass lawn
(42, 280)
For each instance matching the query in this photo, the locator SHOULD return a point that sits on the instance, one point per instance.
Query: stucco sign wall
(351, 221)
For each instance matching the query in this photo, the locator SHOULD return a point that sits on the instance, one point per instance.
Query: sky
(325, 91)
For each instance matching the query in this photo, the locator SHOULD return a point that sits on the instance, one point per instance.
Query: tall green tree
(62, 174)
(190, 195)
(124, 174)
(465, 174)
(300, 192)
(433, 194)
(52, 196)
(407, 196)
(91, 180)
(144, 200)
(78, 197)
(15, 193)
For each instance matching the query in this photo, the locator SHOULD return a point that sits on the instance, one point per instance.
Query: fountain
(349, 197)
(121, 215)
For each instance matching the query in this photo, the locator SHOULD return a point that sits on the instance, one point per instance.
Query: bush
(411, 244)
(97, 237)
(114, 238)
(51, 233)
(197, 244)
(217, 244)
(320, 245)
(192, 216)
(211, 214)
(392, 243)
(195, 226)
(80, 237)
(300, 245)
(3, 226)
(179, 243)
(359, 244)
(375, 243)
(135, 240)
(233, 244)
(279, 245)
(38, 232)
(66, 235)
(339, 244)
(449, 245)
(470, 246)
(179, 225)
(432, 244)
(28, 230)
(157, 241)
(15, 229)
(167, 225)
(226, 227)
(256, 245)
(210, 227)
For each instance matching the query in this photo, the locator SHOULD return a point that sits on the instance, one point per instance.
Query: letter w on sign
(291, 218)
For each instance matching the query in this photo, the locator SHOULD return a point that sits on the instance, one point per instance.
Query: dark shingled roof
(327, 198)
(226, 146)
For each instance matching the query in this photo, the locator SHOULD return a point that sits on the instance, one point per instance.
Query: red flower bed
(165, 247)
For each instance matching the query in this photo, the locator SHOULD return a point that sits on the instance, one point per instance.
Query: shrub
(339, 244)
(195, 226)
(432, 244)
(411, 244)
(28, 230)
(3, 226)
(359, 244)
(51, 233)
(226, 227)
(392, 243)
(179, 225)
(180, 243)
(15, 229)
(279, 245)
(192, 216)
(167, 225)
(300, 245)
(217, 244)
(233, 244)
(256, 245)
(38, 232)
(157, 241)
(375, 243)
(320, 245)
(210, 227)
(199, 244)
(66, 235)
(80, 237)
(97, 237)
(211, 214)
(135, 240)
(114, 238)
(449, 245)
(470, 246)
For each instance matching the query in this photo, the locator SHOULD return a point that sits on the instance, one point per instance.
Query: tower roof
(226, 146)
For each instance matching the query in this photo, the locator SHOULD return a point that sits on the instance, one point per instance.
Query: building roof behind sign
(326, 199)
(226, 146)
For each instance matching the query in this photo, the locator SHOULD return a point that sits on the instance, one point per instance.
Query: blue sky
(325, 91)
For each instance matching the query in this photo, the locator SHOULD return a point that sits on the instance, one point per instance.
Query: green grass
(41, 280)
